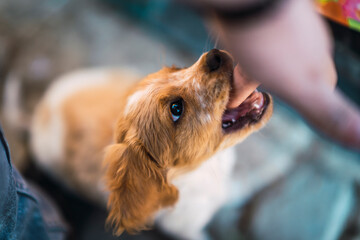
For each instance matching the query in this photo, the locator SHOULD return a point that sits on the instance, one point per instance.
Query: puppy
(167, 140)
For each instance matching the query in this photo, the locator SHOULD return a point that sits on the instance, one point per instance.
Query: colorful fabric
(346, 12)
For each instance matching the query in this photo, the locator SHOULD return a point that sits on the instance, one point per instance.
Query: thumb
(242, 87)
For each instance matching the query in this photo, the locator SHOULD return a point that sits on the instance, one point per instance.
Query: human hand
(289, 53)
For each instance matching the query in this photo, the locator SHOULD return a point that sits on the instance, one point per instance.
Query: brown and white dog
(167, 137)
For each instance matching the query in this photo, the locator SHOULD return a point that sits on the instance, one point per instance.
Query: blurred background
(293, 184)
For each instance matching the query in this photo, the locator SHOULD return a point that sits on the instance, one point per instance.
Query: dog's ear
(138, 187)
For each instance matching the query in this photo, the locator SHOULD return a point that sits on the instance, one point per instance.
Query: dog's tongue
(241, 89)
(251, 106)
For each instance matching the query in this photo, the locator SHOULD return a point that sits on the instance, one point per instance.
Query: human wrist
(249, 11)
(234, 10)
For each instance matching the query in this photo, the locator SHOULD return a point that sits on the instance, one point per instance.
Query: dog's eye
(176, 109)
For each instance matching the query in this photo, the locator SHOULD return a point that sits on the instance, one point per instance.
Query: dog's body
(75, 121)
(147, 174)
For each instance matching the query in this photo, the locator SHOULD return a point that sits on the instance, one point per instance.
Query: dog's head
(174, 120)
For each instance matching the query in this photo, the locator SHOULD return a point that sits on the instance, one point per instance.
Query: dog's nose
(215, 59)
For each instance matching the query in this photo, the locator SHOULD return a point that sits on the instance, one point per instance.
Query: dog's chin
(249, 112)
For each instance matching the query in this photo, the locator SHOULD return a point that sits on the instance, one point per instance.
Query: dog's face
(174, 120)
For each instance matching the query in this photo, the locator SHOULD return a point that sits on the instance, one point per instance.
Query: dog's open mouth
(248, 112)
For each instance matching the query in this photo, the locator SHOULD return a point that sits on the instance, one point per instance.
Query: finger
(241, 89)
(330, 113)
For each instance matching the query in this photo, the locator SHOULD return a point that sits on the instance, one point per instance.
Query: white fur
(48, 140)
(201, 194)
(207, 118)
(201, 100)
(47, 143)
(72, 83)
(133, 100)
(196, 84)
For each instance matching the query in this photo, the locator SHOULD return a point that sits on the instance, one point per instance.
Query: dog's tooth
(226, 125)
(233, 120)
(256, 105)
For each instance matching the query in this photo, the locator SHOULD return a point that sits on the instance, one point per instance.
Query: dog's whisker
(209, 44)
(217, 41)
(261, 133)
(206, 46)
